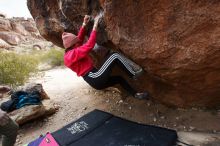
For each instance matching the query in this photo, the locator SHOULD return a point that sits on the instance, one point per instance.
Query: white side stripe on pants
(108, 62)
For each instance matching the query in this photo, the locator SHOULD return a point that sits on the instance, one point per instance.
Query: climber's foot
(142, 95)
(138, 73)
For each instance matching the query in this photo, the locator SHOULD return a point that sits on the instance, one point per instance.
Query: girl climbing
(78, 60)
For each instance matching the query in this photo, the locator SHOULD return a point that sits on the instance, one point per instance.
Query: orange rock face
(176, 42)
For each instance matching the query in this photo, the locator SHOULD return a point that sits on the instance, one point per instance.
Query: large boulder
(18, 28)
(30, 26)
(4, 90)
(176, 42)
(4, 44)
(11, 38)
(18, 34)
(32, 112)
(2, 15)
(5, 25)
(35, 87)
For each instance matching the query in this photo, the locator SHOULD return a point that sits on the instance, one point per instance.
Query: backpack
(20, 99)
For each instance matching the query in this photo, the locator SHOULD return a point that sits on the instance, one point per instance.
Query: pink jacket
(78, 59)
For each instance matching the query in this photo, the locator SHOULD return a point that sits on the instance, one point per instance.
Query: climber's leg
(100, 79)
(110, 62)
(113, 80)
(135, 67)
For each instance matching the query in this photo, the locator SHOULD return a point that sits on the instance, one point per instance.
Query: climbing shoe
(142, 95)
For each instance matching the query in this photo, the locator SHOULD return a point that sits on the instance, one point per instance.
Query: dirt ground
(76, 98)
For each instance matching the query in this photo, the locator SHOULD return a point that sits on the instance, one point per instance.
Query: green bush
(16, 69)
(54, 57)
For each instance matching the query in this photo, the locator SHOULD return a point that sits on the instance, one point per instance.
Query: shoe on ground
(142, 95)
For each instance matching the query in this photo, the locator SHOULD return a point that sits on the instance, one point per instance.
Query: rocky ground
(75, 98)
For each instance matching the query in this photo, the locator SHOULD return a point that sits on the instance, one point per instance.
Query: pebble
(87, 91)
(107, 101)
(155, 119)
(85, 108)
(129, 107)
(151, 115)
(191, 127)
(20, 135)
(19, 142)
(177, 118)
(194, 109)
(181, 109)
(121, 101)
(41, 124)
(45, 120)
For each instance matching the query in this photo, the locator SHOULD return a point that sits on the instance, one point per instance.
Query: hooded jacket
(78, 59)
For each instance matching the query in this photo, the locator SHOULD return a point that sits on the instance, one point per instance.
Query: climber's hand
(97, 18)
(86, 20)
(96, 22)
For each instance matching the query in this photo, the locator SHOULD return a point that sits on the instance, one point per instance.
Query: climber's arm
(89, 45)
(81, 34)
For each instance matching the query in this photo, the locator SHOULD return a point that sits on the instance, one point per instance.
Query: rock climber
(78, 60)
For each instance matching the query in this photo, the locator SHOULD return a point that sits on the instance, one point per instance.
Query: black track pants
(100, 79)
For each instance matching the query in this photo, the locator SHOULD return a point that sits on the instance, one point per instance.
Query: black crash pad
(99, 128)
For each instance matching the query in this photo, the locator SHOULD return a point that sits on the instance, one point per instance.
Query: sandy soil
(76, 98)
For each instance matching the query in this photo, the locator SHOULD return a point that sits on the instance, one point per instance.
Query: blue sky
(14, 8)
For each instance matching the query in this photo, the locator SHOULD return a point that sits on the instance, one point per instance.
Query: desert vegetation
(17, 68)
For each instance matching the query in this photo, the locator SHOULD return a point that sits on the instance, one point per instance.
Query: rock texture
(4, 90)
(15, 30)
(18, 33)
(176, 42)
(35, 87)
(32, 112)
